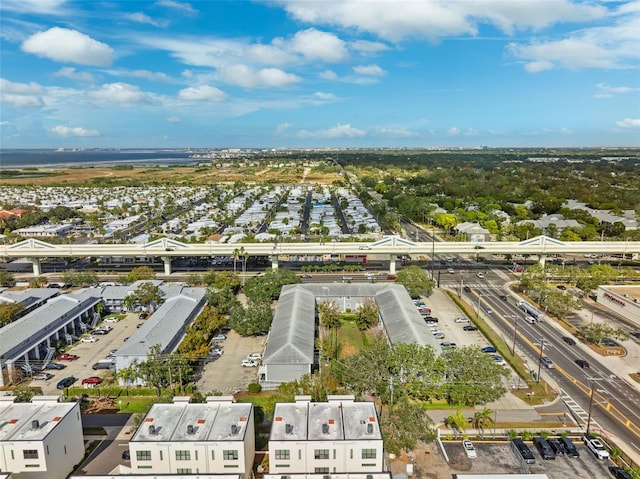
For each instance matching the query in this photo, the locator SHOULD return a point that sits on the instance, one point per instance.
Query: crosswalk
(580, 415)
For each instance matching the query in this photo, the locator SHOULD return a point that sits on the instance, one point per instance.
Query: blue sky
(350, 73)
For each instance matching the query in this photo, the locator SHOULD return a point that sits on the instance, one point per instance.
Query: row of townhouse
(340, 438)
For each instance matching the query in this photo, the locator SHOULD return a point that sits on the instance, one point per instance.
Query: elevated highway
(166, 249)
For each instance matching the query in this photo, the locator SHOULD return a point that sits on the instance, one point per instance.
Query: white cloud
(453, 131)
(247, 77)
(174, 119)
(435, 19)
(64, 45)
(180, 6)
(140, 17)
(66, 132)
(149, 75)
(324, 96)
(282, 128)
(328, 75)
(119, 92)
(316, 45)
(338, 131)
(396, 132)
(20, 94)
(373, 70)
(203, 92)
(367, 48)
(72, 74)
(47, 7)
(629, 123)
(606, 91)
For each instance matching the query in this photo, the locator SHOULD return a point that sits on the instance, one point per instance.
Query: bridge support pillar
(392, 264)
(274, 261)
(542, 258)
(167, 265)
(37, 269)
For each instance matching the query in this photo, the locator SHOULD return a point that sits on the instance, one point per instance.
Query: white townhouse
(329, 438)
(216, 437)
(41, 439)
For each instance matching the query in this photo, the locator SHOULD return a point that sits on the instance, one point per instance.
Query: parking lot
(89, 354)
(499, 458)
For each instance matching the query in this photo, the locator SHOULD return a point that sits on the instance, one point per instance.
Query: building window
(230, 455)
(183, 470)
(283, 454)
(143, 455)
(30, 453)
(321, 453)
(368, 454)
(183, 455)
(213, 455)
(321, 470)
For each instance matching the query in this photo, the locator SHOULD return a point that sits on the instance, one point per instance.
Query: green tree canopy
(416, 280)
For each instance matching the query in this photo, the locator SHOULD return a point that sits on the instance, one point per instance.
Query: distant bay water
(51, 158)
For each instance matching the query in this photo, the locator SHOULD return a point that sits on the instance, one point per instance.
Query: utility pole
(591, 381)
(515, 335)
(542, 344)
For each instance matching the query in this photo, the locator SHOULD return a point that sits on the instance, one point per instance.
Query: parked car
(582, 363)
(569, 447)
(524, 451)
(67, 357)
(111, 319)
(596, 447)
(42, 376)
(557, 448)
(54, 366)
(66, 382)
(470, 327)
(498, 359)
(215, 352)
(469, 449)
(249, 363)
(105, 327)
(619, 473)
(91, 381)
(126, 455)
(448, 345)
(255, 356)
(89, 339)
(99, 332)
(489, 349)
(391, 276)
(547, 362)
(431, 320)
(544, 448)
(143, 315)
(219, 337)
(467, 289)
(462, 319)
(438, 335)
(569, 341)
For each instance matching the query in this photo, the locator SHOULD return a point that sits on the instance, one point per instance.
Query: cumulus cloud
(367, 48)
(629, 123)
(72, 74)
(435, 19)
(119, 92)
(328, 75)
(174, 119)
(396, 132)
(64, 45)
(373, 70)
(149, 75)
(606, 91)
(316, 45)
(338, 131)
(282, 128)
(247, 77)
(20, 94)
(66, 131)
(202, 93)
(453, 131)
(139, 17)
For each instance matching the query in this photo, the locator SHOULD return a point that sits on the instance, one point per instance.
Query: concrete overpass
(166, 249)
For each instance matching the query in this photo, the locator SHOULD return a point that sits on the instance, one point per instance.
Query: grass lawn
(351, 338)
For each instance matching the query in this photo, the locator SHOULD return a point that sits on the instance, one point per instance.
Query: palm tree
(457, 422)
(482, 420)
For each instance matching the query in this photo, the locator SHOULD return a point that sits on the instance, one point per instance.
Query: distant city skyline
(319, 74)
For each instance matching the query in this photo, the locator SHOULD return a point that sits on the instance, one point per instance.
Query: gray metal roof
(165, 324)
(41, 322)
(28, 296)
(292, 335)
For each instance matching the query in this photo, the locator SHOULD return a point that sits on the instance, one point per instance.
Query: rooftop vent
(152, 430)
(369, 428)
(190, 429)
(325, 428)
(234, 429)
(35, 424)
(288, 428)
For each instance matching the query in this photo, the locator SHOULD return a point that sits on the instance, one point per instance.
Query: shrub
(254, 388)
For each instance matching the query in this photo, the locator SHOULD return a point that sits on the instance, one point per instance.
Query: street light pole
(515, 334)
(542, 345)
(591, 381)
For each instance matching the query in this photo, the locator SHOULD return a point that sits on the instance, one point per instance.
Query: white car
(89, 339)
(530, 319)
(111, 319)
(451, 271)
(480, 275)
(596, 447)
(255, 356)
(249, 363)
(461, 319)
(499, 360)
(105, 327)
(439, 335)
(469, 448)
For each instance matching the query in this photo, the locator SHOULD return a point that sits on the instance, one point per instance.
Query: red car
(67, 357)
(91, 380)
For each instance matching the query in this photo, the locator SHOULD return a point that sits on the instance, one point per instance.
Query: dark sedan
(582, 363)
(66, 382)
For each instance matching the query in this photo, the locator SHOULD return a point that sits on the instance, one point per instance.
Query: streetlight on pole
(515, 334)
(542, 344)
(591, 381)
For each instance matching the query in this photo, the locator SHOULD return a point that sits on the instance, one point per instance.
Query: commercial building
(334, 437)
(41, 439)
(624, 300)
(216, 437)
